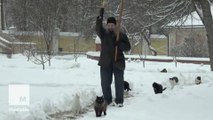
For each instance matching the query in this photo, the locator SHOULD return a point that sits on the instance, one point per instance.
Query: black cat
(100, 106)
(198, 80)
(164, 70)
(158, 88)
(126, 86)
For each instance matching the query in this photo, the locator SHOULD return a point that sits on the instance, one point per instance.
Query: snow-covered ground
(53, 90)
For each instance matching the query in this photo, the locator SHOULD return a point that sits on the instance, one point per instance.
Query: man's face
(110, 27)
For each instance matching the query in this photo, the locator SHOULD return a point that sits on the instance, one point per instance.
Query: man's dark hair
(111, 20)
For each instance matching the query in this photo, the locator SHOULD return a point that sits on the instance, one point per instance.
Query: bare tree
(16, 14)
(176, 9)
(203, 8)
(193, 46)
(146, 36)
(139, 16)
(43, 16)
(82, 14)
(40, 59)
(34, 52)
(30, 48)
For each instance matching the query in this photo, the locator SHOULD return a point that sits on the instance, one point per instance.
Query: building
(189, 26)
(158, 42)
(8, 43)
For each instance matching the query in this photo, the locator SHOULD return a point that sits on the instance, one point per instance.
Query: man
(108, 65)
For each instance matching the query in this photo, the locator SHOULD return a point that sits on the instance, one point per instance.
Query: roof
(158, 36)
(192, 20)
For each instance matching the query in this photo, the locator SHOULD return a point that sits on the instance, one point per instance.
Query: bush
(194, 46)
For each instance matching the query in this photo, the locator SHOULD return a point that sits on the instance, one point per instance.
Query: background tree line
(80, 15)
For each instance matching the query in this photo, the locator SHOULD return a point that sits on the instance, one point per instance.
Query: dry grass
(159, 45)
(70, 44)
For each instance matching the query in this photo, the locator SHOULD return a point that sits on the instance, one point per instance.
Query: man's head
(111, 24)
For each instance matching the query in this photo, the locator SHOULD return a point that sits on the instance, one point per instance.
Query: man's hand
(104, 3)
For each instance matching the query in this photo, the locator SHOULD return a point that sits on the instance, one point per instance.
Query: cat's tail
(164, 88)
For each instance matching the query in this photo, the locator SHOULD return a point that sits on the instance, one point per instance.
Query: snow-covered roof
(4, 40)
(1, 44)
(35, 33)
(159, 36)
(189, 20)
(24, 43)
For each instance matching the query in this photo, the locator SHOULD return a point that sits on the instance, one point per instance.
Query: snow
(1, 44)
(159, 36)
(191, 20)
(4, 40)
(35, 33)
(53, 90)
(97, 40)
(24, 43)
(159, 57)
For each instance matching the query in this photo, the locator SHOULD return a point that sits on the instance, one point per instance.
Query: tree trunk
(42, 62)
(49, 59)
(2, 15)
(208, 23)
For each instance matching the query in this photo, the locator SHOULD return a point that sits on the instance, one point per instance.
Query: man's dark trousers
(106, 81)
